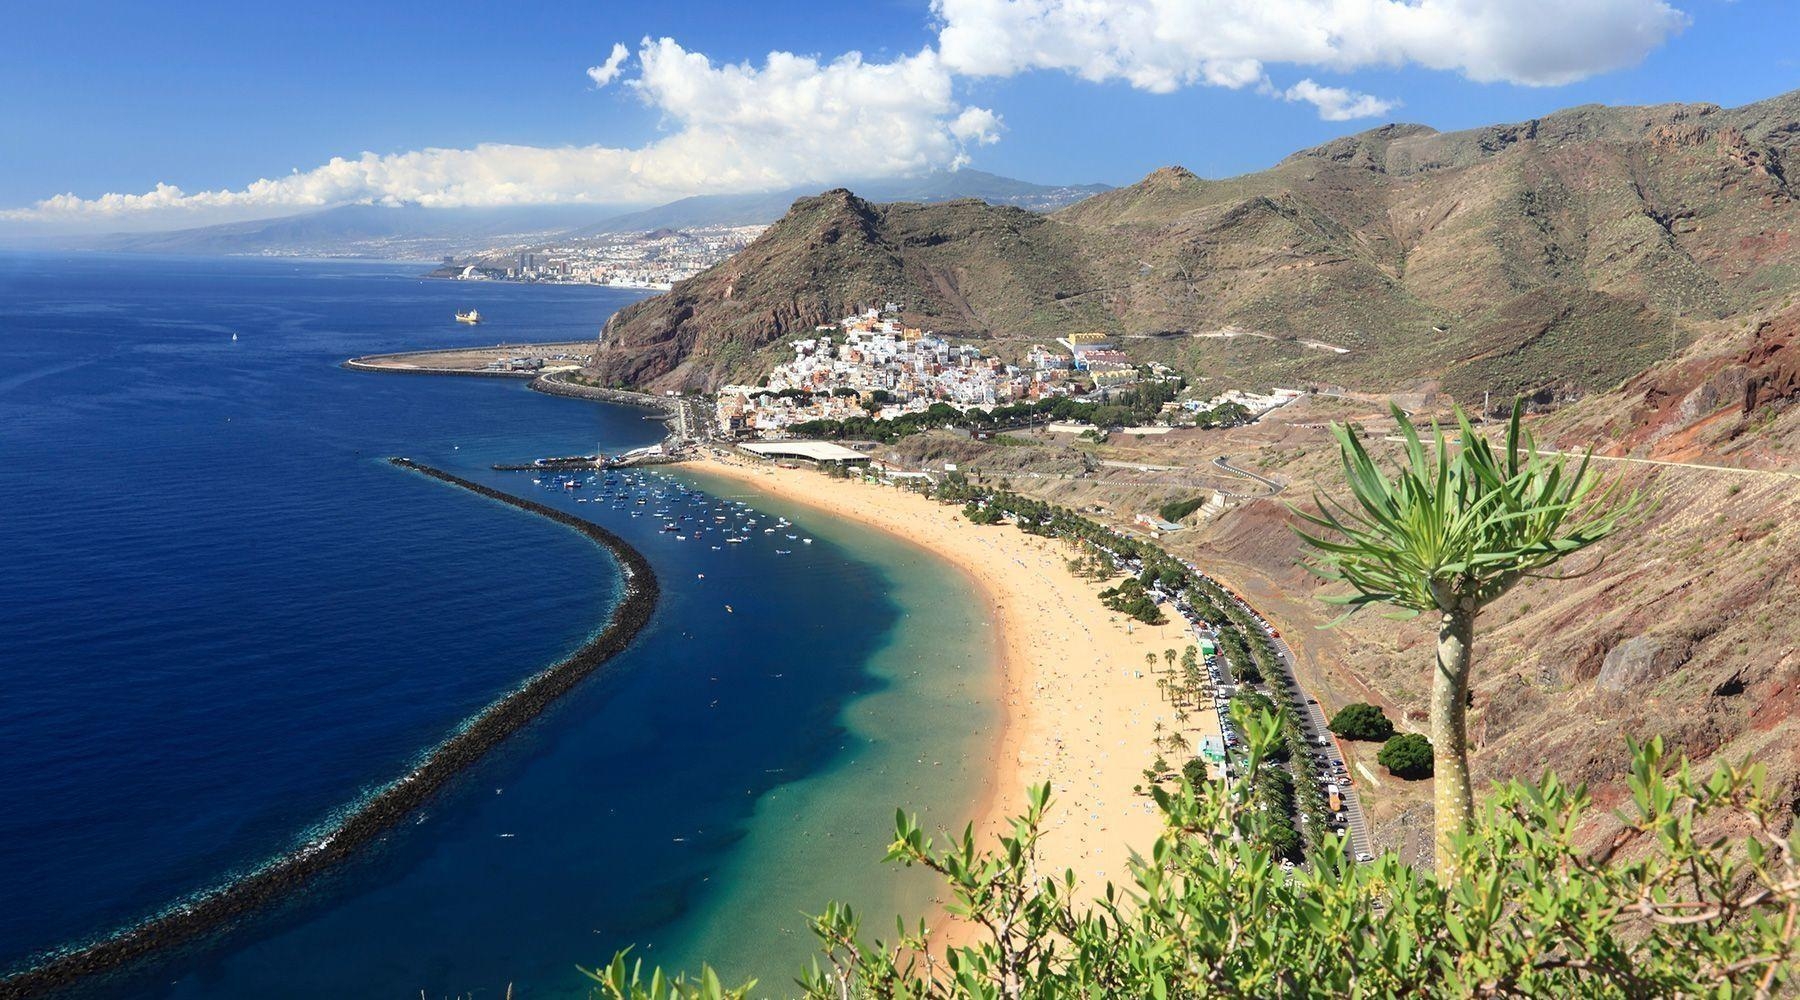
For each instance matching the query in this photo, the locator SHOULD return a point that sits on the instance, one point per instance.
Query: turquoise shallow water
(223, 616)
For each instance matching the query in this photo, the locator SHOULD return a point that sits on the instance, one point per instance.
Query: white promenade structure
(810, 451)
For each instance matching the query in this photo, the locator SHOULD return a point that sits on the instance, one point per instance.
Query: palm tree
(1177, 741)
(1447, 537)
(1169, 660)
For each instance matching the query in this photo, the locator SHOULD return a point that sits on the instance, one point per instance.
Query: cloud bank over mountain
(802, 119)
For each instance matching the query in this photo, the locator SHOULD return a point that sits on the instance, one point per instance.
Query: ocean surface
(223, 617)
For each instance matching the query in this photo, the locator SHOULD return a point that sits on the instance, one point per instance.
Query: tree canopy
(1407, 755)
(1362, 721)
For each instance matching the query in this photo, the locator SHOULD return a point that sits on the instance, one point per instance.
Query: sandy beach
(1081, 708)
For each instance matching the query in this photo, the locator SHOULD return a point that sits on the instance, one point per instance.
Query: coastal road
(1188, 477)
(1314, 721)
(1701, 466)
(1663, 462)
(1192, 477)
(1355, 819)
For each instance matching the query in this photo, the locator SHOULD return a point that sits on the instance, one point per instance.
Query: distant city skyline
(120, 116)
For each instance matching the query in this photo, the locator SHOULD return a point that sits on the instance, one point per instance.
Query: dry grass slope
(1561, 256)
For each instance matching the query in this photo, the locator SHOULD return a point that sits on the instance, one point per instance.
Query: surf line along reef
(193, 918)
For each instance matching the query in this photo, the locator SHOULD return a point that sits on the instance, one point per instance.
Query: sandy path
(1081, 706)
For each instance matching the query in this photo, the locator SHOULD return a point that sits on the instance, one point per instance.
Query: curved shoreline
(1078, 707)
(185, 921)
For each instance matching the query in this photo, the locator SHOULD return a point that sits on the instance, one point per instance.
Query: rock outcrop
(1633, 666)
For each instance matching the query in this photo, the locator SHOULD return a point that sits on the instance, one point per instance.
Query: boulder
(1640, 661)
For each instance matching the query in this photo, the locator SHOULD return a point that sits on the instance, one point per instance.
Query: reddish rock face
(1774, 362)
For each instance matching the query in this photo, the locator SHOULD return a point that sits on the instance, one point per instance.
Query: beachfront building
(816, 452)
(1212, 750)
(1156, 524)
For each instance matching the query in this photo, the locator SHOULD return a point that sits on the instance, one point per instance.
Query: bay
(224, 616)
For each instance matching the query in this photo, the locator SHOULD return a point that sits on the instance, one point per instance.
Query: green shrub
(1531, 910)
(1362, 721)
(979, 514)
(1175, 510)
(1407, 755)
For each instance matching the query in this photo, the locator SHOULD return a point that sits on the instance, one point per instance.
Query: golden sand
(1081, 706)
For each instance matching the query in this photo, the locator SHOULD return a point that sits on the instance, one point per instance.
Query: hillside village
(871, 364)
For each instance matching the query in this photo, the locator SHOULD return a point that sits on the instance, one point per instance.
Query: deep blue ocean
(223, 617)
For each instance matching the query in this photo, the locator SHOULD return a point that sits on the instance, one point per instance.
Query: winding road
(1223, 463)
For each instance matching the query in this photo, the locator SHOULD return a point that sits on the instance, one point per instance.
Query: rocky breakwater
(225, 905)
(565, 384)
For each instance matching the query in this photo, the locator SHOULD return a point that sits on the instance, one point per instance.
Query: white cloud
(729, 127)
(977, 125)
(798, 119)
(609, 70)
(1162, 45)
(1336, 104)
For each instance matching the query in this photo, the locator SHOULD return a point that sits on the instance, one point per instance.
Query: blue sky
(211, 97)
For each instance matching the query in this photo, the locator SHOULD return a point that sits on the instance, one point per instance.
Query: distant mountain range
(407, 232)
(417, 233)
(761, 209)
(1551, 257)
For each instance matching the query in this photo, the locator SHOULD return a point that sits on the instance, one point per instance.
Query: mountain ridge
(760, 209)
(1552, 257)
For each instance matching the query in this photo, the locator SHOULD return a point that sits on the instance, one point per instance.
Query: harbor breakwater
(218, 908)
(559, 384)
